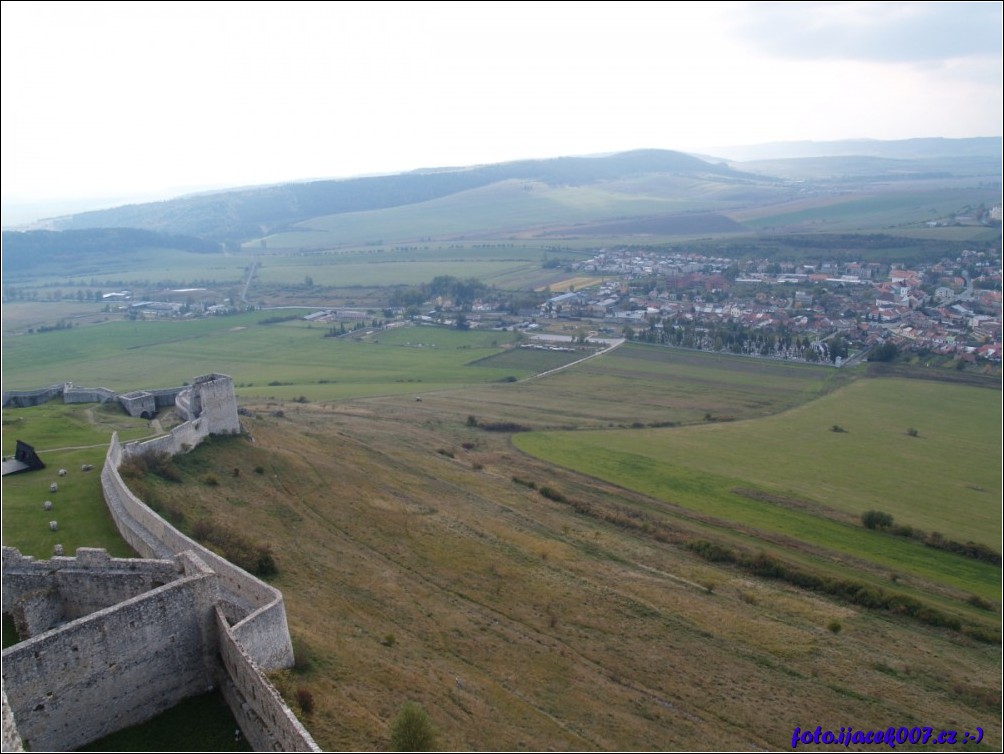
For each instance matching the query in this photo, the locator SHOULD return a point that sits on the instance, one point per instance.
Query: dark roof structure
(25, 459)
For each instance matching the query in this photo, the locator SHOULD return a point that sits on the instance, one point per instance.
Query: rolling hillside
(244, 214)
(556, 193)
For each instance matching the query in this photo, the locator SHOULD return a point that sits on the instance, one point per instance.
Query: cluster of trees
(462, 293)
(734, 338)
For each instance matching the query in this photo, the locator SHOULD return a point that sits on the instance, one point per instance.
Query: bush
(834, 626)
(552, 494)
(305, 699)
(876, 520)
(711, 551)
(503, 427)
(412, 730)
(235, 547)
(837, 428)
(913, 432)
(976, 601)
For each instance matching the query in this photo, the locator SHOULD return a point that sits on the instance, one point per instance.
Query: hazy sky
(138, 98)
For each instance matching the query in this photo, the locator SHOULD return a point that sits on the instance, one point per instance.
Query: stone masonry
(109, 642)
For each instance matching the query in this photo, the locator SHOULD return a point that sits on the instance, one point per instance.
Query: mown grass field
(287, 360)
(67, 437)
(946, 479)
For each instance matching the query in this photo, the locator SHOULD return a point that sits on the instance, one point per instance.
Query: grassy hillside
(943, 479)
(241, 214)
(426, 573)
(419, 559)
(520, 208)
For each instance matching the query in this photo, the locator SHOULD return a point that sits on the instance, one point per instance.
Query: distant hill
(34, 248)
(250, 213)
(904, 149)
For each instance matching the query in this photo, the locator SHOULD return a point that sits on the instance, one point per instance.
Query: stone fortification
(139, 403)
(73, 394)
(214, 624)
(117, 666)
(267, 722)
(28, 398)
(211, 397)
(40, 596)
(144, 403)
(260, 617)
(11, 737)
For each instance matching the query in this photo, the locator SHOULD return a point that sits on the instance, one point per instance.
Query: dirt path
(613, 343)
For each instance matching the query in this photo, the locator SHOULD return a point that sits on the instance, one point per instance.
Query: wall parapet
(237, 620)
(258, 706)
(131, 660)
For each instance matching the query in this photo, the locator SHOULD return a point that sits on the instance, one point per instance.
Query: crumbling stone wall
(130, 662)
(237, 617)
(211, 397)
(139, 403)
(40, 595)
(27, 398)
(88, 394)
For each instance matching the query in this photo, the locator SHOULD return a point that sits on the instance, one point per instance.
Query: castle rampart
(268, 722)
(131, 661)
(42, 595)
(228, 626)
(73, 394)
(136, 403)
(28, 398)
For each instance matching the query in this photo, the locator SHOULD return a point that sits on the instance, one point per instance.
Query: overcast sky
(125, 99)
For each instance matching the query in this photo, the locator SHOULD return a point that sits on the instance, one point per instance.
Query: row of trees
(734, 338)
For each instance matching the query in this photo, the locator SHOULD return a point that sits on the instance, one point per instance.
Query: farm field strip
(849, 472)
(161, 354)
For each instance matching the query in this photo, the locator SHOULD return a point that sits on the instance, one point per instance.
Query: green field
(946, 479)
(65, 437)
(881, 209)
(409, 557)
(144, 266)
(282, 360)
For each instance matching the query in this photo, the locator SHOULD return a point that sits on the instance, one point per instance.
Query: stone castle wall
(268, 722)
(262, 627)
(134, 403)
(139, 403)
(180, 439)
(239, 620)
(28, 398)
(88, 395)
(42, 595)
(130, 661)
